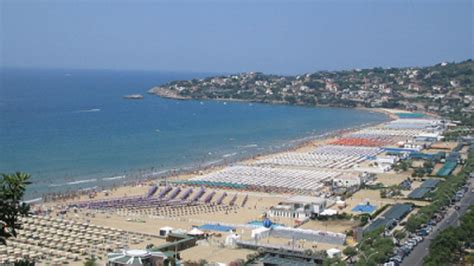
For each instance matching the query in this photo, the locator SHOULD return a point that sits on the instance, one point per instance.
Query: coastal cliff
(167, 93)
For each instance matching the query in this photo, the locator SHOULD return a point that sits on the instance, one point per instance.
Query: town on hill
(445, 89)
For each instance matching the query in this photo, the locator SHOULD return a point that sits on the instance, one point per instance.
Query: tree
(335, 261)
(350, 252)
(399, 234)
(12, 188)
(91, 261)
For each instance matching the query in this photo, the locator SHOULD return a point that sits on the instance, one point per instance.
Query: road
(451, 219)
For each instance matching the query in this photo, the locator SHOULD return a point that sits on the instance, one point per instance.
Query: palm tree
(12, 189)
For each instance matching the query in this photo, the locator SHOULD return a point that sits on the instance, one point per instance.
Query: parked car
(418, 238)
(423, 232)
(397, 259)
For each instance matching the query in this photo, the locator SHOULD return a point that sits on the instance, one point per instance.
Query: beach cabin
(165, 231)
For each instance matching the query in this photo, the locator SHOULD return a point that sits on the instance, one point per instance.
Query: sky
(280, 37)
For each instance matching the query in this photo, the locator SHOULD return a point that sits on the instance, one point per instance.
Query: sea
(72, 129)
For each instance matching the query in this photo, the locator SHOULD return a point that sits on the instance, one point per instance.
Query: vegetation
(339, 216)
(425, 170)
(350, 252)
(445, 89)
(375, 249)
(91, 261)
(441, 196)
(391, 191)
(449, 246)
(402, 166)
(399, 235)
(335, 261)
(201, 262)
(12, 188)
(454, 134)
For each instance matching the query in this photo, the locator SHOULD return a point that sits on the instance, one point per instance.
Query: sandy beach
(255, 207)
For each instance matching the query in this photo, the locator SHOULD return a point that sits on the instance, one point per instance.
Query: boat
(133, 97)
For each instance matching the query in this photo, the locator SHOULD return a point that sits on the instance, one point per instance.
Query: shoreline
(185, 172)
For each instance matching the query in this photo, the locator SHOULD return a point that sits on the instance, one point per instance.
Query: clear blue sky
(229, 36)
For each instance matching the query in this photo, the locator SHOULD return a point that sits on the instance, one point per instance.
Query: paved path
(451, 219)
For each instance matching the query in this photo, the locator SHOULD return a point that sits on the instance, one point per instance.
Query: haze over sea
(72, 129)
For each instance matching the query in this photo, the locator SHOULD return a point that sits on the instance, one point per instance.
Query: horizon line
(216, 72)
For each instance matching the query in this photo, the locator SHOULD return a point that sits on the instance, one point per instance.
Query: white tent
(328, 212)
(333, 252)
(195, 232)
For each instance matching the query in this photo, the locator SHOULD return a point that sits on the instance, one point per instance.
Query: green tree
(12, 189)
(335, 261)
(91, 261)
(399, 234)
(350, 252)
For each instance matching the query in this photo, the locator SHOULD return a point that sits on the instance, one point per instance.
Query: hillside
(445, 89)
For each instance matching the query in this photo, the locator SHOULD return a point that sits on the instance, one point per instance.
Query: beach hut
(195, 232)
(164, 231)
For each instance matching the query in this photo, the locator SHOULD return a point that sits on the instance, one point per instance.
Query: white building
(347, 181)
(429, 137)
(384, 161)
(298, 207)
(164, 231)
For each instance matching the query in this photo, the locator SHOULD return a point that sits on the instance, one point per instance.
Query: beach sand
(257, 205)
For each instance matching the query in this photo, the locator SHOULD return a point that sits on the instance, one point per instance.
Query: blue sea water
(72, 128)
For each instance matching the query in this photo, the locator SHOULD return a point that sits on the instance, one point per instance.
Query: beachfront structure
(384, 161)
(267, 177)
(427, 186)
(430, 137)
(390, 218)
(291, 210)
(164, 231)
(346, 180)
(300, 234)
(299, 207)
(231, 240)
(136, 257)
